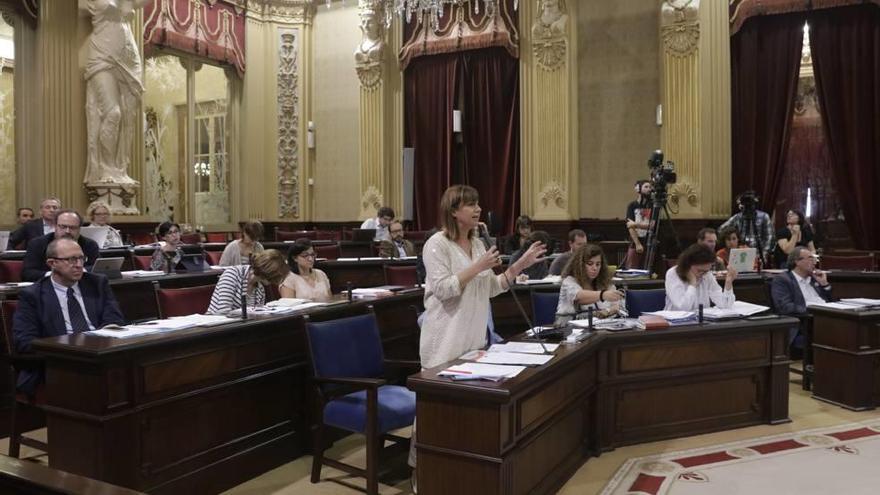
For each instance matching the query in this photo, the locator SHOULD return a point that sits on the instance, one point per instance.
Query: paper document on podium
(524, 347)
(835, 305)
(487, 371)
(861, 301)
(517, 358)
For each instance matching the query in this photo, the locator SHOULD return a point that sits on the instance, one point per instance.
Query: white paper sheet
(524, 347)
(488, 371)
(517, 358)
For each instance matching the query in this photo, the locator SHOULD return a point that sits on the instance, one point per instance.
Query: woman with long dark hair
(586, 283)
(691, 282)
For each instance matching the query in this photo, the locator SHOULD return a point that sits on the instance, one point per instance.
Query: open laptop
(110, 267)
(4, 240)
(743, 259)
(192, 263)
(97, 233)
(363, 235)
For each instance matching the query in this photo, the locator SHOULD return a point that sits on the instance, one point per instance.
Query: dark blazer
(35, 267)
(39, 315)
(787, 296)
(387, 249)
(26, 232)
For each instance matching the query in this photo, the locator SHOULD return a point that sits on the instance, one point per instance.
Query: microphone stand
(525, 315)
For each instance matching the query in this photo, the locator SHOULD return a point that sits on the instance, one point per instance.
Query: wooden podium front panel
(678, 407)
(846, 355)
(691, 353)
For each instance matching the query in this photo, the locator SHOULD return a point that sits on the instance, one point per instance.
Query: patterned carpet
(842, 459)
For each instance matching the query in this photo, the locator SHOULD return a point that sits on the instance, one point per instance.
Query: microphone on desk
(590, 318)
(700, 314)
(537, 333)
(349, 288)
(244, 306)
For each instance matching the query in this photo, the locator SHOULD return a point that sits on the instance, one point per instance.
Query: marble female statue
(113, 90)
(369, 51)
(552, 22)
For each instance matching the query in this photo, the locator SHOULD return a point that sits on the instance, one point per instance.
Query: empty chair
(10, 270)
(213, 257)
(400, 275)
(861, 263)
(216, 237)
(141, 238)
(184, 301)
(348, 366)
(20, 403)
(642, 301)
(544, 306)
(328, 235)
(141, 262)
(281, 235)
(329, 251)
(191, 238)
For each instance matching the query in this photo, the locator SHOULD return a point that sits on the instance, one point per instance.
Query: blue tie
(78, 322)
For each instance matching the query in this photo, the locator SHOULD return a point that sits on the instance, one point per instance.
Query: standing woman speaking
(459, 280)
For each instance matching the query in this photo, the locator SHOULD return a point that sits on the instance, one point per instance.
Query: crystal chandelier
(432, 9)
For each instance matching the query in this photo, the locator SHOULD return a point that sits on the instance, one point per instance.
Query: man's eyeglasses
(68, 228)
(396, 231)
(73, 260)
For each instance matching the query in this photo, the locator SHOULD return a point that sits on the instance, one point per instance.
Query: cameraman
(754, 225)
(638, 219)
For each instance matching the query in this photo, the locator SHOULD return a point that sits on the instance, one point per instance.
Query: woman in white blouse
(460, 281)
(586, 283)
(691, 282)
(99, 215)
(239, 251)
(304, 280)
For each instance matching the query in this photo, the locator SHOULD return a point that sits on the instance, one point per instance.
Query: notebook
(743, 259)
(109, 267)
(192, 263)
(97, 233)
(363, 235)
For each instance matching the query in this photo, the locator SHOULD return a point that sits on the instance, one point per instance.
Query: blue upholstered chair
(544, 306)
(348, 366)
(642, 301)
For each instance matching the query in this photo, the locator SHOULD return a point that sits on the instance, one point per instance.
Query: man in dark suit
(67, 224)
(36, 228)
(397, 247)
(69, 301)
(802, 284)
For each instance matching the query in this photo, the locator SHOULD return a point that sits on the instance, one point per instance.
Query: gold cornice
(281, 11)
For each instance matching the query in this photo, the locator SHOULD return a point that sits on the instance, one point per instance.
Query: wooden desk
(530, 434)
(198, 410)
(846, 355)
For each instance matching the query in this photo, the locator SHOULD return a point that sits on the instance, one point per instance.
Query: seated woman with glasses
(99, 216)
(691, 282)
(268, 268)
(304, 280)
(239, 251)
(168, 253)
(586, 283)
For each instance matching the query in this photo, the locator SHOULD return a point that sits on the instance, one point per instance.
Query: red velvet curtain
(845, 44)
(486, 83)
(430, 91)
(491, 131)
(765, 60)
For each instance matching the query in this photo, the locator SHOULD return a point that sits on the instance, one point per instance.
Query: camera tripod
(653, 238)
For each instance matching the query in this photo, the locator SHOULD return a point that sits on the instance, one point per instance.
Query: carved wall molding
(680, 27)
(371, 200)
(288, 124)
(281, 11)
(684, 190)
(554, 194)
(550, 35)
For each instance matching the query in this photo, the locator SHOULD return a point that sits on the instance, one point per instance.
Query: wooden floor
(293, 478)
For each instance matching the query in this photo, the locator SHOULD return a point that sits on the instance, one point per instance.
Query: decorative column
(274, 156)
(548, 75)
(381, 111)
(696, 106)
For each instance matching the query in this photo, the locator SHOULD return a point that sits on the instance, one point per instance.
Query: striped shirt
(230, 287)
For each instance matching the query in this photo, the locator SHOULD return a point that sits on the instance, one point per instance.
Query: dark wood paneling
(689, 354)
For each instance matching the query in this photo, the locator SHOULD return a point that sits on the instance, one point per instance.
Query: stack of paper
(836, 305)
(674, 317)
(632, 272)
(517, 358)
(482, 371)
(142, 273)
(370, 292)
(286, 302)
(524, 347)
(861, 301)
(740, 309)
(549, 279)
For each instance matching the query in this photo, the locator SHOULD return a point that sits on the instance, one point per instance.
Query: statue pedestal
(120, 197)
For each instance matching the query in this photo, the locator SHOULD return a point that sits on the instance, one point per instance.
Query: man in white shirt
(691, 283)
(383, 219)
(801, 285)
